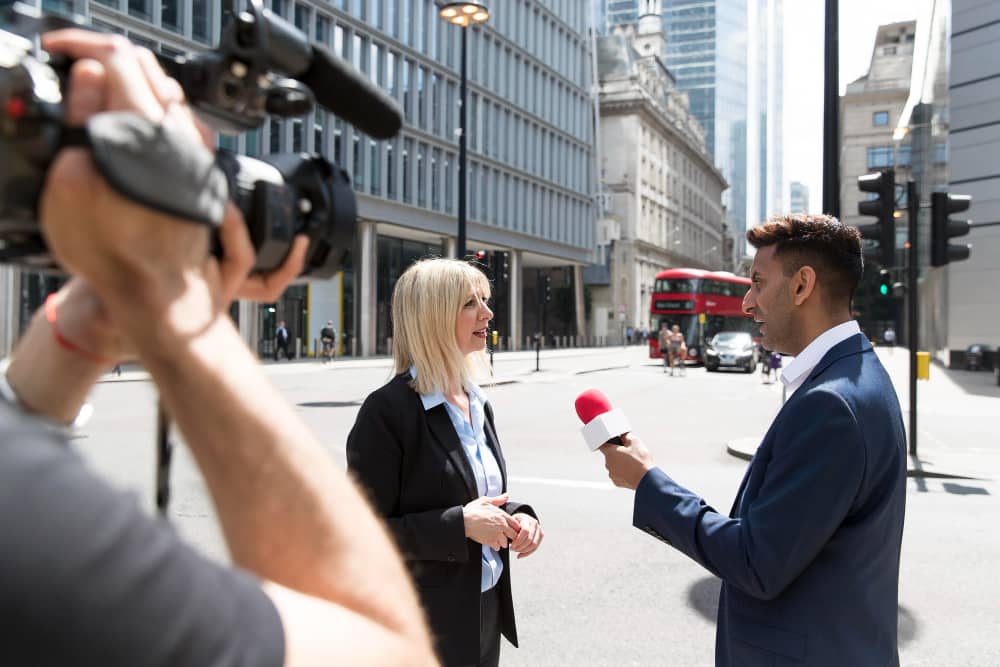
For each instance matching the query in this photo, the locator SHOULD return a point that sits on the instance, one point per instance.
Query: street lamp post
(462, 14)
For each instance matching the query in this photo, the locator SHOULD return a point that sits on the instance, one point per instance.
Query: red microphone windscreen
(590, 404)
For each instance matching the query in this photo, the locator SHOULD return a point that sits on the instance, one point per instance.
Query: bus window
(687, 323)
(679, 285)
(717, 323)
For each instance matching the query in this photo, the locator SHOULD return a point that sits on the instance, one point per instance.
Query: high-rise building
(798, 197)
(969, 312)
(531, 173)
(727, 56)
(661, 193)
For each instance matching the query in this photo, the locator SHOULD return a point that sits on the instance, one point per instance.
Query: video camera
(263, 67)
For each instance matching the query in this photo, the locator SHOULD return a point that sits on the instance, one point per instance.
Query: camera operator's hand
(135, 258)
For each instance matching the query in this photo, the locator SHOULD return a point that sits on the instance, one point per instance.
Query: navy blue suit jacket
(809, 554)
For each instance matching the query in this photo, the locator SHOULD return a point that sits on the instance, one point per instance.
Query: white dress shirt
(796, 372)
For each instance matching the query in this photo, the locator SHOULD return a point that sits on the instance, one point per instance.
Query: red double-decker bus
(702, 303)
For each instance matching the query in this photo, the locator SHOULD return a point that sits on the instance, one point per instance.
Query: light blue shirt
(489, 481)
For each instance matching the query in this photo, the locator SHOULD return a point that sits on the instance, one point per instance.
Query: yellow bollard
(923, 366)
(496, 338)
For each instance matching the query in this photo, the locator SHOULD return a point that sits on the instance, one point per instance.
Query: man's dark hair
(830, 247)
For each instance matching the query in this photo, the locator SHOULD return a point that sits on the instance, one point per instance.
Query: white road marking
(572, 483)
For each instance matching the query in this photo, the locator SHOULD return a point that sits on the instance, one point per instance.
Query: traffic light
(882, 207)
(942, 229)
(548, 287)
(884, 282)
(480, 256)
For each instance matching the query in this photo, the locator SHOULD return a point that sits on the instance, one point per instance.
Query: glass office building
(530, 136)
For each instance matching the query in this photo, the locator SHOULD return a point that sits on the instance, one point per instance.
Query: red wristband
(65, 343)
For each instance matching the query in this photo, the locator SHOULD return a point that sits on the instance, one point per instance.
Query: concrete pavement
(956, 412)
(957, 409)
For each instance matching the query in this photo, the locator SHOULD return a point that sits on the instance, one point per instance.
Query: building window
(356, 160)
(322, 29)
(301, 18)
(903, 156)
(170, 15)
(375, 167)
(421, 176)
(880, 118)
(274, 143)
(319, 125)
(297, 138)
(407, 186)
(879, 156)
(338, 142)
(200, 21)
(390, 170)
(139, 9)
(435, 179)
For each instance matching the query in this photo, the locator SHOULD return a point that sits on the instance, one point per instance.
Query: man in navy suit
(809, 553)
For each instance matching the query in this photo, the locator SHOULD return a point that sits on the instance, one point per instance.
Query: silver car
(731, 349)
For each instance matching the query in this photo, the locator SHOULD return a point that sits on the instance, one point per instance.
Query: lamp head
(464, 13)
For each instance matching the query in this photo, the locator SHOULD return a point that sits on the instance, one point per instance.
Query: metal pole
(913, 206)
(460, 246)
(831, 113)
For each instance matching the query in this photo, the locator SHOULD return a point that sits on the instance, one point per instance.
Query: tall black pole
(831, 113)
(460, 245)
(913, 209)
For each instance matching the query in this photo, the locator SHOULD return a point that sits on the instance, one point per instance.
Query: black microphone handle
(617, 440)
(352, 96)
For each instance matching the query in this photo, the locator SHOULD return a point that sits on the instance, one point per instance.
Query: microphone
(349, 94)
(601, 422)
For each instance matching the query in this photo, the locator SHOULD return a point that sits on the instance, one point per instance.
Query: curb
(914, 466)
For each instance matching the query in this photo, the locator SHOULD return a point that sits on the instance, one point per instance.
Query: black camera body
(236, 87)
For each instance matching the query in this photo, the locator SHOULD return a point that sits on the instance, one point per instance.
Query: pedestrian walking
(281, 340)
(677, 349)
(890, 338)
(664, 341)
(328, 338)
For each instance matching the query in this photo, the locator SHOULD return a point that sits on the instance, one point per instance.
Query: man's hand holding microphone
(605, 428)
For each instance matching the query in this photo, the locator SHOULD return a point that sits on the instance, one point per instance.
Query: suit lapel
(443, 432)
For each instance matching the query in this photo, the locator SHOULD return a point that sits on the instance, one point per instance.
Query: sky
(803, 89)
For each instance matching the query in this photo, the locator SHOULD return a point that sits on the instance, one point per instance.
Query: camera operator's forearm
(287, 512)
(49, 380)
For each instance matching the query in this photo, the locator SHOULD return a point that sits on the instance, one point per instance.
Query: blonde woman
(426, 448)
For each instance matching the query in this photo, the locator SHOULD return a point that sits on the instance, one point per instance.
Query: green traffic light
(883, 290)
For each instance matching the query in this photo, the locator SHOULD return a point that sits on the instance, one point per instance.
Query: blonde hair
(426, 302)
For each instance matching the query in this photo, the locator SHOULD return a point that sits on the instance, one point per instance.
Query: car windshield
(732, 339)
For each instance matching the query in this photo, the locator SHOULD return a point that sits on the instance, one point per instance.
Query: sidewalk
(510, 366)
(958, 413)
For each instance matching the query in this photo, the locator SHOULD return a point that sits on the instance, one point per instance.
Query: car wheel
(749, 368)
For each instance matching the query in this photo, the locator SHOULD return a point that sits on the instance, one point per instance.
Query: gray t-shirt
(87, 579)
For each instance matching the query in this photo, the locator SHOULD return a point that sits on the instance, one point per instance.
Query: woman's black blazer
(418, 478)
